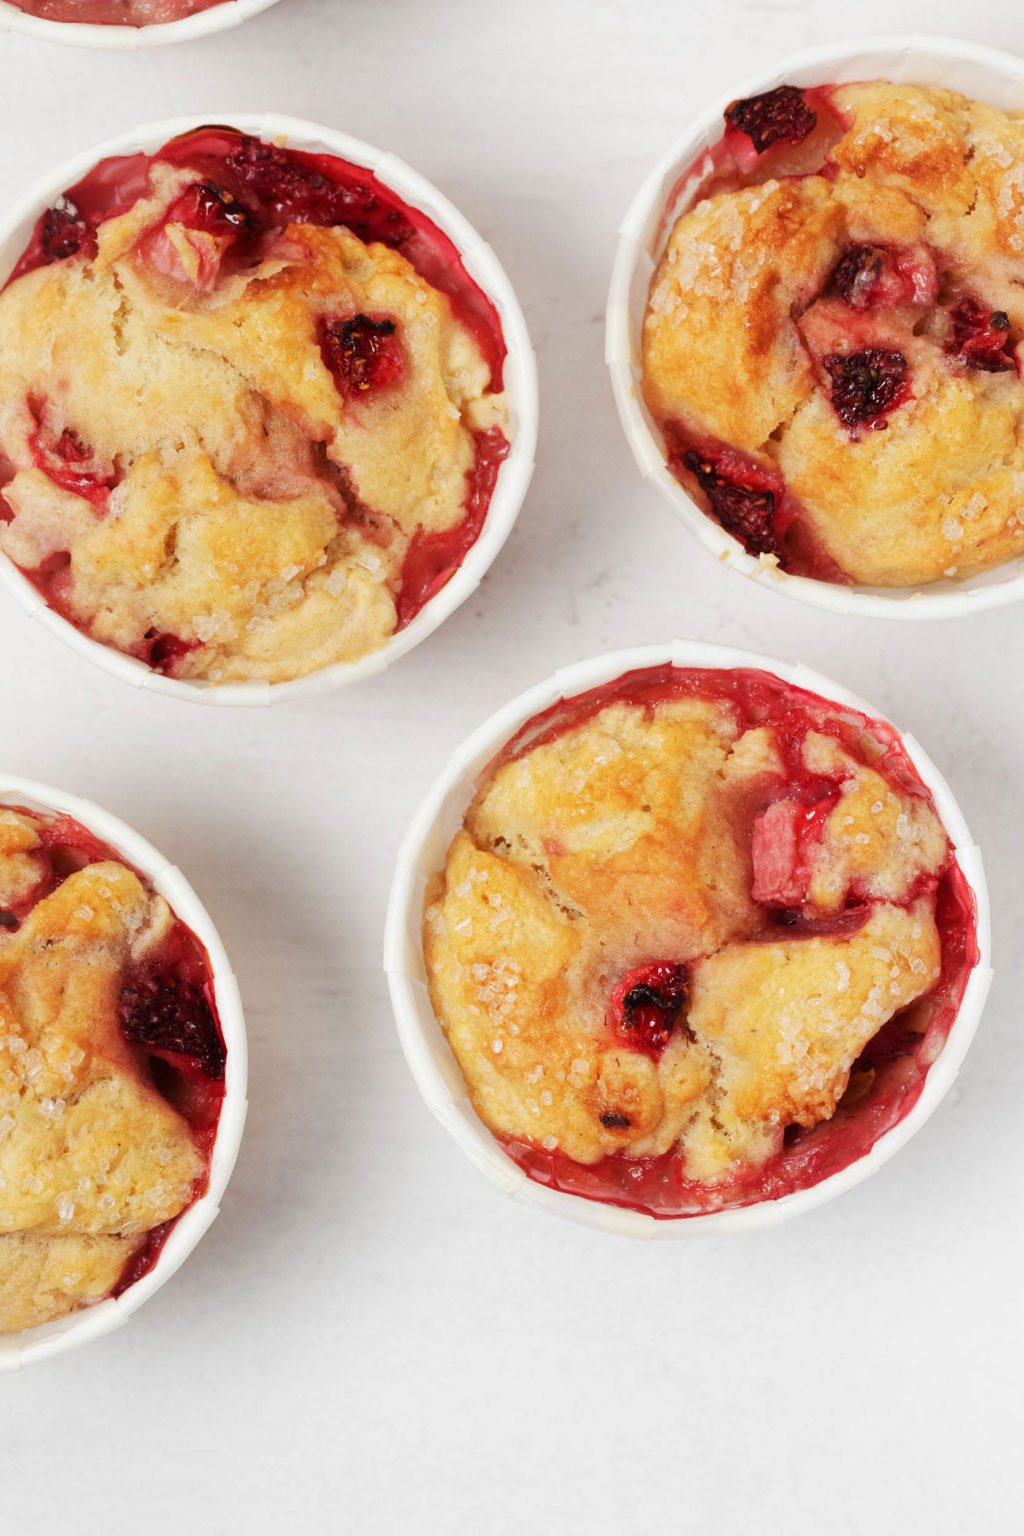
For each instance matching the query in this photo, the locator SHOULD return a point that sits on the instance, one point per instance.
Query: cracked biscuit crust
(92, 1156)
(219, 463)
(792, 881)
(854, 335)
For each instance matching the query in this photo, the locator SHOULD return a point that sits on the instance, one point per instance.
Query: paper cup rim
(429, 1057)
(87, 34)
(92, 1322)
(895, 57)
(520, 387)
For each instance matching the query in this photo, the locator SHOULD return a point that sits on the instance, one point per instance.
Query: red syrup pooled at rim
(887, 1080)
(192, 1079)
(115, 13)
(433, 558)
(251, 189)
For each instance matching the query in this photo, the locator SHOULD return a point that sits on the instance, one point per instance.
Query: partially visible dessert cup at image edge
(128, 38)
(663, 1051)
(138, 1131)
(975, 72)
(319, 555)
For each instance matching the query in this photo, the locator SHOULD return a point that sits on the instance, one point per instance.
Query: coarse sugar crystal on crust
(832, 352)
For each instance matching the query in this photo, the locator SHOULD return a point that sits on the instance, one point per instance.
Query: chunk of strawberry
(782, 842)
(879, 276)
(170, 1017)
(69, 462)
(775, 116)
(291, 189)
(743, 497)
(205, 206)
(363, 352)
(163, 651)
(867, 385)
(195, 235)
(63, 231)
(647, 1004)
(981, 337)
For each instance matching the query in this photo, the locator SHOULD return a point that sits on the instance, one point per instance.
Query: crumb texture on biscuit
(846, 338)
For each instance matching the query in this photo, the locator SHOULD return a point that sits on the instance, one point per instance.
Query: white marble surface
(369, 1340)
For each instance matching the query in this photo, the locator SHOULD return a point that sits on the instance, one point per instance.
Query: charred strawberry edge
(867, 385)
(647, 1003)
(781, 115)
(363, 353)
(744, 501)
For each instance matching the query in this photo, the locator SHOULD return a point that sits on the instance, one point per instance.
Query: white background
(370, 1340)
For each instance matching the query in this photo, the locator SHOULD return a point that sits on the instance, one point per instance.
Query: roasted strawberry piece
(647, 1004)
(63, 232)
(207, 207)
(69, 462)
(171, 1017)
(775, 116)
(867, 385)
(743, 497)
(363, 352)
(879, 276)
(290, 190)
(981, 337)
(163, 651)
(783, 838)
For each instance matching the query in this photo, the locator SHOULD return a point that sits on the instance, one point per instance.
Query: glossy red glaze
(888, 1079)
(433, 558)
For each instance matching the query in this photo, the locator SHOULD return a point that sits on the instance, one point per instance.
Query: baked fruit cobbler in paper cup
(815, 327)
(684, 940)
(267, 408)
(122, 1071)
(124, 24)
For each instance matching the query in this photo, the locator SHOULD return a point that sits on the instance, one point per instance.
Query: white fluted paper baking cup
(86, 34)
(427, 1052)
(520, 384)
(982, 73)
(56, 1338)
